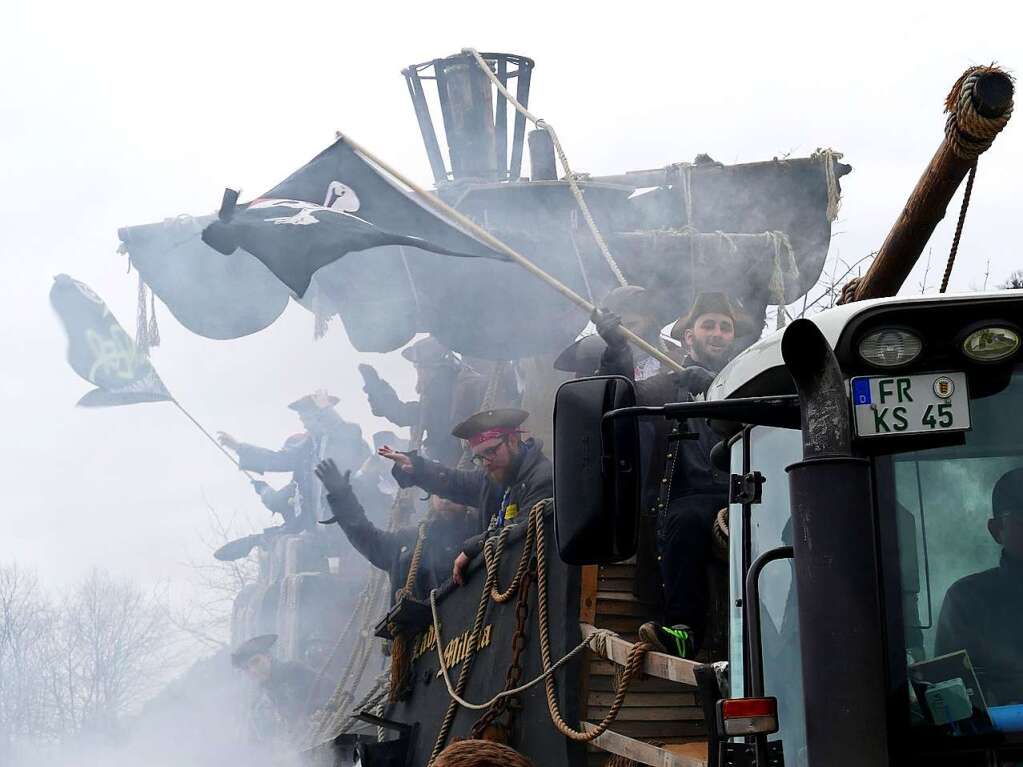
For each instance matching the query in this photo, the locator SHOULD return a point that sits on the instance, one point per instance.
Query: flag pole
(212, 439)
(480, 233)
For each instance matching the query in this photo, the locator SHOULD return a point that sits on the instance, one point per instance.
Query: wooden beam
(655, 663)
(644, 753)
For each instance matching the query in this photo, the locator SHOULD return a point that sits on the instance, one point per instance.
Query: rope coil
(969, 133)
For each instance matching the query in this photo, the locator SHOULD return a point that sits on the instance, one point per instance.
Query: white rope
(562, 157)
(828, 158)
(598, 637)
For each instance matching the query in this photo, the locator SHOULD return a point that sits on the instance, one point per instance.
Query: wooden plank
(655, 663)
(614, 584)
(645, 699)
(605, 683)
(620, 624)
(618, 571)
(622, 608)
(659, 730)
(647, 714)
(588, 594)
(645, 753)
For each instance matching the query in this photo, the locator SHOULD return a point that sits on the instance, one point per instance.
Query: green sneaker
(674, 640)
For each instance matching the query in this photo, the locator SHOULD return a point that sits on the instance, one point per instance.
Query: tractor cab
(875, 530)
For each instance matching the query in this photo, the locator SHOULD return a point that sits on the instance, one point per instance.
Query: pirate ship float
(758, 231)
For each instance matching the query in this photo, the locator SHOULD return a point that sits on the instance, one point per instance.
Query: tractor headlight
(991, 344)
(890, 347)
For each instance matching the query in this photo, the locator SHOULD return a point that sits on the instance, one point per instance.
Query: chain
(514, 673)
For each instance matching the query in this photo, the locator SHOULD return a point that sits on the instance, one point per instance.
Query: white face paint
(341, 197)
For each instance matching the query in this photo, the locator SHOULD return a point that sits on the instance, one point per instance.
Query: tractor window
(771, 450)
(957, 514)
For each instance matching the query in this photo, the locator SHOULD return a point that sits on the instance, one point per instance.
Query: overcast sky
(115, 114)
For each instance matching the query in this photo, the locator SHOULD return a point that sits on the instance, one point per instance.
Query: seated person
(512, 474)
(448, 526)
(983, 613)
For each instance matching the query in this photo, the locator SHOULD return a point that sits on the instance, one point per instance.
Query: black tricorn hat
(582, 357)
(252, 647)
(308, 403)
(428, 351)
(717, 303)
(487, 420)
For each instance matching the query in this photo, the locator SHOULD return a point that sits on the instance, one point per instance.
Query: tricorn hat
(309, 402)
(252, 647)
(428, 351)
(717, 303)
(582, 357)
(490, 424)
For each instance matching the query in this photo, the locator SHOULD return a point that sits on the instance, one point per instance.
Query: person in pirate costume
(300, 502)
(635, 309)
(683, 492)
(448, 525)
(449, 392)
(287, 685)
(511, 474)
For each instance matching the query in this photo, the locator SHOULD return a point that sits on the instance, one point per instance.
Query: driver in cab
(983, 613)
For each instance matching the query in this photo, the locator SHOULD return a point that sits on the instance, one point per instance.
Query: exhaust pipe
(836, 567)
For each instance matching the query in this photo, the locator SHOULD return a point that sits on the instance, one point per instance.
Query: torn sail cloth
(530, 481)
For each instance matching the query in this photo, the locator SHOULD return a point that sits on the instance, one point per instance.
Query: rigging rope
(562, 157)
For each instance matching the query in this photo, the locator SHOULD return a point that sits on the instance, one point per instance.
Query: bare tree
(26, 622)
(207, 616)
(1014, 281)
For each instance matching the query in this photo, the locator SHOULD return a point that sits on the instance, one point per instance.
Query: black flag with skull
(335, 204)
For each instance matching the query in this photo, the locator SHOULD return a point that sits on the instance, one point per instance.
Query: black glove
(369, 375)
(698, 379)
(259, 486)
(336, 484)
(609, 327)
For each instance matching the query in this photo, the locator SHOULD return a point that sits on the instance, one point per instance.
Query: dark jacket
(672, 467)
(451, 397)
(983, 614)
(531, 481)
(392, 551)
(301, 500)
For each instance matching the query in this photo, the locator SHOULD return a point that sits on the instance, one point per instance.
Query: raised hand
(403, 461)
(332, 479)
(609, 327)
(369, 374)
(228, 441)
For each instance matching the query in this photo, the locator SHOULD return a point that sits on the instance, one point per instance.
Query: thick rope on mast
(570, 177)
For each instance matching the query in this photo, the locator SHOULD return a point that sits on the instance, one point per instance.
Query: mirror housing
(597, 472)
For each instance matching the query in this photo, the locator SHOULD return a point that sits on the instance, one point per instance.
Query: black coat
(672, 467)
(289, 688)
(983, 614)
(531, 481)
(338, 439)
(392, 551)
(452, 397)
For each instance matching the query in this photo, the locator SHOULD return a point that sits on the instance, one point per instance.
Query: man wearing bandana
(510, 475)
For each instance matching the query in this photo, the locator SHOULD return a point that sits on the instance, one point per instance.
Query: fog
(123, 113)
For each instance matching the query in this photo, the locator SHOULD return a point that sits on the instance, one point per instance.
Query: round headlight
(890, 347)
(991, 344)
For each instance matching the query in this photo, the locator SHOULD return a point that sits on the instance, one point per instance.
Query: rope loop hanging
(570, 177)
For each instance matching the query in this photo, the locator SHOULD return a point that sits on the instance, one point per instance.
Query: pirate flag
(338, 203)
(100, 351)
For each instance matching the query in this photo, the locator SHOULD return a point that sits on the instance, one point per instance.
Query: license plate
(910, 404)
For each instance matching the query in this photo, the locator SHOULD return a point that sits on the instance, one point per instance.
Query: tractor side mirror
(597, 472)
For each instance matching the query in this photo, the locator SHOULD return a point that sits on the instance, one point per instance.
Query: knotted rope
(570, 177)
(969, 133)
(400, 655)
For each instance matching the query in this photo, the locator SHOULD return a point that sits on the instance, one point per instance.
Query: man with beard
(300, 502)
(449, 391)
(448, 525)
(683, 492)
(511, 475)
